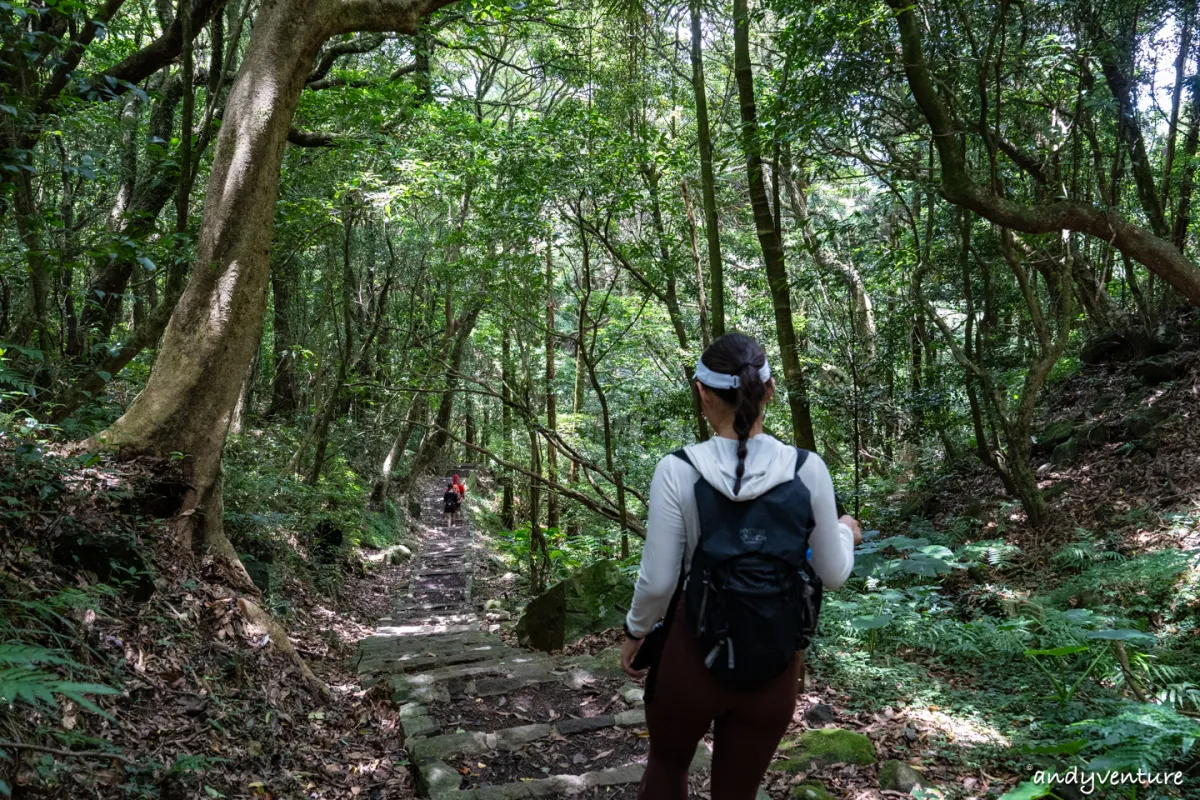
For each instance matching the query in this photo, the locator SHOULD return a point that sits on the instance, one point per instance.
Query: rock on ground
(827, 746)
(896, 776)
(592, 599)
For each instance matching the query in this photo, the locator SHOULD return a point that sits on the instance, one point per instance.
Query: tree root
(278, 639)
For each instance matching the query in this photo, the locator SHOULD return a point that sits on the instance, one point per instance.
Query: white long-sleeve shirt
(673, 527)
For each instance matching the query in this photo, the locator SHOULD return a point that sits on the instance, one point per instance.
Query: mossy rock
(591, 600)
(919, 505)
(1065, 454)
(896, 776)
(827, 746)
(1158, 369)
(1057, 490)
(1096, 435)
(1055, 434)
(811, 790)
(1142, 422)
(609, 658)
(1108, 346)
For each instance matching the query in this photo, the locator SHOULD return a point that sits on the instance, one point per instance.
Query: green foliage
(22, 679)
(1139, 736)
(283, 522)
(15, 385)
(1140, 586)
(994, 553)
(1084, 551)
(904, 559)
(568, 552)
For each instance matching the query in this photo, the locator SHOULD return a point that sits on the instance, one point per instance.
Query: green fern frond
(29, 656)
(22, 682)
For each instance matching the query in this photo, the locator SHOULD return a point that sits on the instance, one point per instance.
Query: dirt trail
(485, 721)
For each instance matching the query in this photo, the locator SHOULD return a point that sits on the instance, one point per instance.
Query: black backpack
(751, 598)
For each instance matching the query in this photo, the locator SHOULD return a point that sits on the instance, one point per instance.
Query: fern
(1140, 736)
(1085, 551)
(22, 682)
(996, 553)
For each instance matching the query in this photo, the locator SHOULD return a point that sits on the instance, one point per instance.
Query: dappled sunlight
(957, 728)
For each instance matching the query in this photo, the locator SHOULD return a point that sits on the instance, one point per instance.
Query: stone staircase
(484, 721)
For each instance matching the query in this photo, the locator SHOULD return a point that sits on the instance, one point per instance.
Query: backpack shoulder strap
(801, 457)
(682, 455)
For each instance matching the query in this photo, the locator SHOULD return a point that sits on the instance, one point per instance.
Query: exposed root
(277, 637)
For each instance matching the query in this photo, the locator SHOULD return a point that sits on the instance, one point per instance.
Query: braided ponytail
(738, 354)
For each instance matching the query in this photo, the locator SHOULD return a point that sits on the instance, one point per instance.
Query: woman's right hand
(851, 523)
(629, 649)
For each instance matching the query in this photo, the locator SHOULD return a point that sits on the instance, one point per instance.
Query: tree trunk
(135, 216)
(768, 234)
(416, 410)
(189, 398)
(580, 334)
(551, 396)
(507, 515)
(716, 268)
(34, 316)
(349, 282)
(701, 294)
(671, 295)
(241, 411)
(1183, 217)
(285, 393)
(539, 551)
(436, 439)
(469, 431)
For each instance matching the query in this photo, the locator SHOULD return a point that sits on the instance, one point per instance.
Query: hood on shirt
(769, 462)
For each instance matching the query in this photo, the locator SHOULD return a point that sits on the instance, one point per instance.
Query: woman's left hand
(629, 649)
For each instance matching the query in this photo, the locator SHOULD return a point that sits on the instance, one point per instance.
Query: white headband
(720, 380)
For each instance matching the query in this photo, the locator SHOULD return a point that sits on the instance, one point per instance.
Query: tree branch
(356, 46)
(1157, 254)
(399, 16)
(140, 65)
(313, 138)
(362, 83)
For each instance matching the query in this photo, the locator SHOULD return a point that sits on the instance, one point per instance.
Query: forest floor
(205, 708)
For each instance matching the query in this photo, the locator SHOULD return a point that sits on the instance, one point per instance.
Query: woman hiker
(450, 503)
(742, 533)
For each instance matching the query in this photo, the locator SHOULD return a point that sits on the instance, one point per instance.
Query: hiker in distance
(727, 570)
(451, 500)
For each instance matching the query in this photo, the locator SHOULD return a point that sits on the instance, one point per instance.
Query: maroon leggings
(686, 700)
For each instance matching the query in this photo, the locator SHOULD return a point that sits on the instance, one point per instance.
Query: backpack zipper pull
(711, 658)
(703, 605)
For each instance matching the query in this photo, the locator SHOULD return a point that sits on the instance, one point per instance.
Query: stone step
(416, 662)
(427, 607)
(423, 626)
(483, 678)
(439, 762)
(400, 648)
(466, 624)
